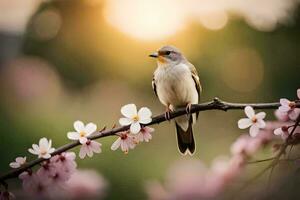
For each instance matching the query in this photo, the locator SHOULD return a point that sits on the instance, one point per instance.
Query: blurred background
(65, 60)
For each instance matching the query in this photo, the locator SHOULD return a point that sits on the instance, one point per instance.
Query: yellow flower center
(43, 152)
(82, 134)
(136, 118)
(254, 120)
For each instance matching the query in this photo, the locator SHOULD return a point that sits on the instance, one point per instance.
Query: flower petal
(79, 126)
(145, 115)
(145, 121)
(46, 156)
(116, 144)
(33, 151)
(35, 147)
(284, 108)
(135, 128)
(21, 160)
(278, 131)
(95, 146)
(83, 151)
(73, 135)
(82, 140)
(51, 150)
(90, 128)
(244, 123)
(129, 110)
(43, 143)
(284, 102)
(49, 144)
(294, 114)
(261, 123)
(148, 129)
(125, 121)
(14, 165)
(298, 93)
(260, 115)
(89, 150)
(254, 130)
(249, 111)
(124, 145)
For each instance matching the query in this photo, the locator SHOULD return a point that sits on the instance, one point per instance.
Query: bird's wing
(195, 78)
(154, 86)
(197, 82)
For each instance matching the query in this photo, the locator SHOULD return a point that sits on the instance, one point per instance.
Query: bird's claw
(168, 115)
(188, 108)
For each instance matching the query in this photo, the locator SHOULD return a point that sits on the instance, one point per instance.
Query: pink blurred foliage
(86, 184)
(191, 179)
(30, 79)
(58, 178)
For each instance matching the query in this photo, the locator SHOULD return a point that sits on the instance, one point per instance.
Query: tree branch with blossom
(216, 104)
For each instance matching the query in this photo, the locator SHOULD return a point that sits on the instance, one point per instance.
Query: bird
(176, 84)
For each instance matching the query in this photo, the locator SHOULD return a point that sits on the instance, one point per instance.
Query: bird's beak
(154, 55)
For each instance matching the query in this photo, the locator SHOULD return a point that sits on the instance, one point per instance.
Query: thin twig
(276, 159)
(258, 161)
(216, 104)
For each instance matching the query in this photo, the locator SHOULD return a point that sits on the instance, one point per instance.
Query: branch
(216, 104)
(275, 160)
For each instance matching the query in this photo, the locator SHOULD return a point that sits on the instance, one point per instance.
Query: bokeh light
(31, 80)
(145, 19)
(243, 70)
(47, 24)
(14, 14)
(63, 60)
(214, 20)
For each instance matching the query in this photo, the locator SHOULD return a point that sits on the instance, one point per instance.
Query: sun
(145, 19)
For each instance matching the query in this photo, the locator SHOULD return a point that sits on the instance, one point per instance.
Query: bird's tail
(185, 138)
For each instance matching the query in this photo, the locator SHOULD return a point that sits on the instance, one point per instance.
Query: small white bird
(176, 84)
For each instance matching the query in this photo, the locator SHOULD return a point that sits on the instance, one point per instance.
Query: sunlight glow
(144, 19)
(214, 20)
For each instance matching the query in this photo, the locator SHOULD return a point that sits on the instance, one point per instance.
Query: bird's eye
(167, 52)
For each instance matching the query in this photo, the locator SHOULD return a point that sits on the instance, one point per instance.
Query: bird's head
(168, 55)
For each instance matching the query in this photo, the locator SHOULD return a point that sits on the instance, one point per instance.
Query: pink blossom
(60, 177)
(44, 149)
(27, 178)
(18, 163)
(253, 146)
(156, 191)
(86, 184)
(135, 118)
(47, 170)
(89, 148)
(34, 184)
(223, 171)
(145, 134)
(125, 141)
(298, 93)
(246, 145)
(254, 121)
(82, 131)
(190, 179)
(239, 146)
(282, 131)
(187, 180)
(289, 107)
(282, 116)
(65, 161)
